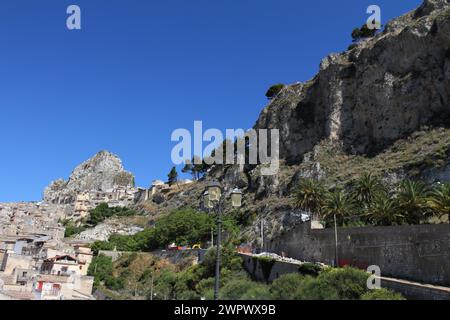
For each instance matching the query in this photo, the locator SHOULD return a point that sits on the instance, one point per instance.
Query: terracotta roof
(63, 257)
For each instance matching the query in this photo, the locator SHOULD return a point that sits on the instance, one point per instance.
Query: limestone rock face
(368, 97)
(103, 172)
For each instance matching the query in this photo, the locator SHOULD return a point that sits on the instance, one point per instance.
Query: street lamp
(336, 256)
(214, 199)
(236, 198)
(207, 204)
(214, 191)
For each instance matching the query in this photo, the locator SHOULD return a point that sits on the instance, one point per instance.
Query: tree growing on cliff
(413, 201)
(362, 33)
(382, 294)
(383, 211)
(274, 90)
(439, 200)
(173, 176)
(310, 195)
(338, 203)
(196, 167)
(367, 187)
(334, 284)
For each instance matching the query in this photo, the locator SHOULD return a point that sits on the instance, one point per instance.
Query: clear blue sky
(139, 69)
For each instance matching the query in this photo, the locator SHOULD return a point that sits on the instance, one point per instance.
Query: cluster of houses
(36, 267)
(36, 261)
(116, 197)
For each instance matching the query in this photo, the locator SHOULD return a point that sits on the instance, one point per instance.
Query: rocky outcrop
(103, 172)
(382, 106)
(104, 230)
(368, 97)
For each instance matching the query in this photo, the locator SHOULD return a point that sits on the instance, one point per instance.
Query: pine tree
(173, 176)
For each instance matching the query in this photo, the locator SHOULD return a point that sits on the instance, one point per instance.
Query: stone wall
(417, 253)
(264, 271)
(261, 271)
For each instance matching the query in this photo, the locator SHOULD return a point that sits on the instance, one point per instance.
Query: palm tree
(338, 204)
(413, 201)
(366, 189)
(383, 210)
(310, 195)
(439, 200)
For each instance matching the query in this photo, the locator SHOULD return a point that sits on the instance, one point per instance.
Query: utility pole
(216, 198)
(212, 237)
(151, 290)
(262, 234)
(218, 240)
(336, 242)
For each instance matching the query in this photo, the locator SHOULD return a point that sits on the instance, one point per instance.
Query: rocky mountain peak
(102, 172)
(376, 92)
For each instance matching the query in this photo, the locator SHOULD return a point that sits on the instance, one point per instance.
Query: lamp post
(336, 242)
(214, 199)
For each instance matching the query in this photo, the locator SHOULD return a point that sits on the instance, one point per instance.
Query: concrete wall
(410, 290)
(419, 253)
(413, 291)
(256, 268)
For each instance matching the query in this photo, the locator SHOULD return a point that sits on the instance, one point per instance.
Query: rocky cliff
(102, 172)
(383, 106)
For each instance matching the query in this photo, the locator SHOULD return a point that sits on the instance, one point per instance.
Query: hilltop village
(36, 261)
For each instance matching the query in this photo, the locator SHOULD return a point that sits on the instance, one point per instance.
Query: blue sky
(139, 69)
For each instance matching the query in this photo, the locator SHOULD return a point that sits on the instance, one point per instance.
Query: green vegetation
(284, 287)
(183, 227)
(102, 269)
(274, 90)
(439, 200)
(96, 216)
(413, 201)
(369, 202)
(310, 269)
(352, 46)
(145, 275)
(196, 167)
(103, 211)
(338, 204)
(363, 32)
(382, 294)
(425, 149)
(71, 228)
(148, 276)
(266, 264)
(173, 176)
(310, 195)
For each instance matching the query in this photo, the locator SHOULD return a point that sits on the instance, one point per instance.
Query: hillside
(382, 107)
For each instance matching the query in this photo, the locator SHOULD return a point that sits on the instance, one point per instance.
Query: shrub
(334, 284)
(244, 289)
(284, 287)
(101, 245)
(382, 294)
(101, 268)
(363, 32)
(103, 211)
(72, 230)
(352, 46)
(310, 269)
